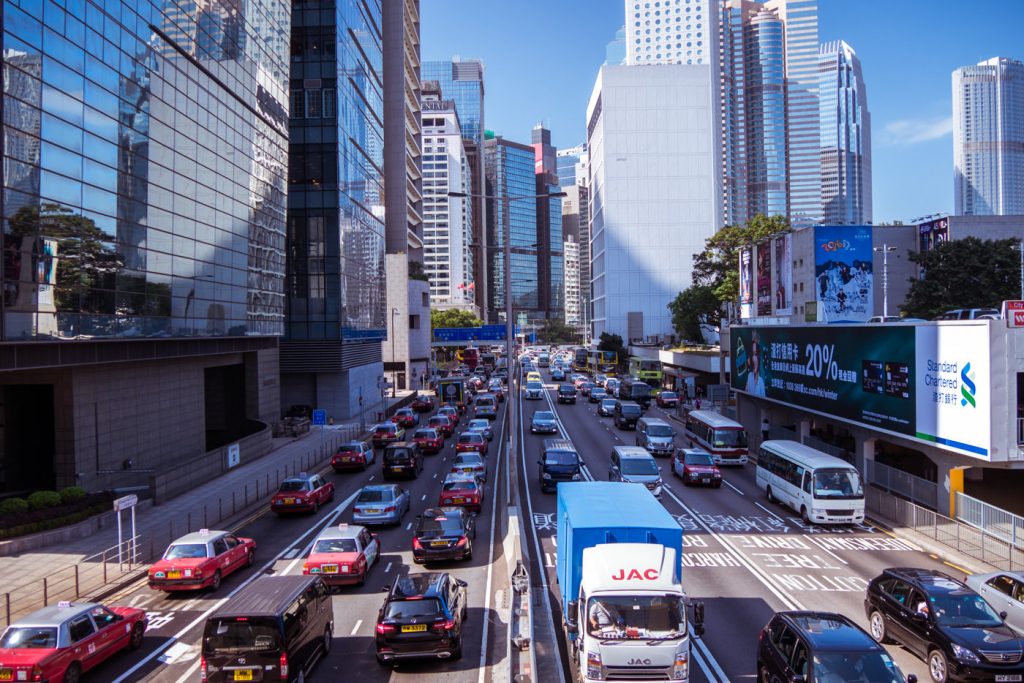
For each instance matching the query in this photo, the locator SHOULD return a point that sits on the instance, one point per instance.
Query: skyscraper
(845, 137)
(331, 356)
(573, 300)
(571, 165)
(572, 176)
(551, 268)
(988, 138)
(670, 32)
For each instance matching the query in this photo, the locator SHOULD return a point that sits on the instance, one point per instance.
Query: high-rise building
(447, 221)
(144, 235)
(551, 268)
(654, 196)
(670, 32)
(768, 64)
(462, 81)
(576, 226)
(845, 137)
(336, 294)
(988, 138)
(573, 300)
(571, 165)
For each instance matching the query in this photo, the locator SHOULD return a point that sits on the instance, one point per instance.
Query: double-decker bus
(604, 362)
(648, 371)
(579, 361)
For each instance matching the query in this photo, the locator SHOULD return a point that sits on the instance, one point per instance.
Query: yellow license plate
(329, 569)
(458, 500)
(438, 544)
(396, 469)
(243, 674)
(414, 628)
(176, 574)
(373, 511)
(289, 501)
(6, 674)
(467, 469)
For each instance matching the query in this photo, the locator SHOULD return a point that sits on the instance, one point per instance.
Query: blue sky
(541, 57)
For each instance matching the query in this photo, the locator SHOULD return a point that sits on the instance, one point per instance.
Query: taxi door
(237, 552)
(224, 556)
(370, 547)
(86, 642)
(112, 632)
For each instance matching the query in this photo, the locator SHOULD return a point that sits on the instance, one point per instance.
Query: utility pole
(885, 249)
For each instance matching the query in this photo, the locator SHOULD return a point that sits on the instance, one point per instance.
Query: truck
(625, 615)
(452, 390)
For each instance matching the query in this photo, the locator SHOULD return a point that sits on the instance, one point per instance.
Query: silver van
(657, 436)
(636, 466)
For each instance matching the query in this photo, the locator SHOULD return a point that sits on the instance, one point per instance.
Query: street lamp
(394, 333)
(885, 249)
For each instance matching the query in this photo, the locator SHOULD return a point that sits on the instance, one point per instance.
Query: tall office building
(144, 185)
(654, 196)
(573, 300)
(988, 138)
(845, 137)
(509, 172)
(447, 221)
(768, 64)
(462, 81)
(670, 32)
(331, 356)
(551, 268)
(571, 165)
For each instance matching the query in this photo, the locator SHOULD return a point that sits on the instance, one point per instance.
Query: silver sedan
(1004, 591)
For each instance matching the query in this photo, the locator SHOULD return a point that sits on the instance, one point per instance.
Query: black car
(559, 462)
(567, 393)
(626, 414)
(945, 623)
(822, 646)
(422, 617)
(404, 458)
(444, 533)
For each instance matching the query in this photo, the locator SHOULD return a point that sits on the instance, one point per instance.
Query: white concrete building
(671, 31)
(573, 298)
(447, 221)
(653, 135)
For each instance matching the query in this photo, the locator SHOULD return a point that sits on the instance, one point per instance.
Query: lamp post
(394, 333)
(885, 249)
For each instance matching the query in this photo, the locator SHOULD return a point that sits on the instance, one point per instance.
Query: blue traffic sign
(461, 334)
(319, 417)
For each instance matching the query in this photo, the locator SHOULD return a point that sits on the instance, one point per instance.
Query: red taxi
(451, 412)
(302, 493)
(462, 490)
(442, 424)
(668, 399)
(471, 441)
(343, 554)
(201, 560)
(355, 455)
(422, 403)
(385, 433)
(60, 643)
(407, 417)
(430, 440)
(695, 466)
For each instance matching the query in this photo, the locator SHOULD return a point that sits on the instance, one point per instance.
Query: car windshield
(461, 485)
(425, 434)
(637, 617)
(292, 486)
(537, 386)
(438, 420)
(730, 438)
(668, 395)
(407, 609)
(234, 636)
(440, 525)
(837, 483)
(699, 459)
(639, 466)
(660, 430)
(186, 551)
(374, 496)
(963, 608)
(544, 416)
(349, 448)
(479, 424)
(29, 638)
(335, 545)
(840, 667)
(631, 411)
(560, 458)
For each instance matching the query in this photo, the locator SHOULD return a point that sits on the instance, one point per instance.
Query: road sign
(459, 334)
(1014, 313)
(234, 455)
(319, 417)
(125, 502)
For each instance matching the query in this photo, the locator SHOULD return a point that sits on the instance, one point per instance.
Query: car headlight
(681, 666)
(962, 654)
(594, 669)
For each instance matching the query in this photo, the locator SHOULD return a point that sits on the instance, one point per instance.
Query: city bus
(821, 487)
(648, 371)
(637, 390)
(604, 362)
(470, 356)
(724, 439)
(579, 361)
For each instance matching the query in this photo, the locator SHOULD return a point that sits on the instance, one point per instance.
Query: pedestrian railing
(994, 521)
(914, 488)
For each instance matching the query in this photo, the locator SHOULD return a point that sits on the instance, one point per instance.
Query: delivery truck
(452, 390)
(625, 614)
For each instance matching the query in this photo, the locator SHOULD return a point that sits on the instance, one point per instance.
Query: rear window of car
(396, 454)
(350, 448)
(29, 638)
(425, 434)
(374, 496)
(239, 635)
(567, 388)
(485, 401)
(186, 551)
(471, 437)
(335, 545)
(630, 410)
(386, 429)
(408, 609)
(459, 486)
(292, 486)
(449, 524)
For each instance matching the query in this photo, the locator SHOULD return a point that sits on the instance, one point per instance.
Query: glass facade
(845, 137)
(144, 177)
(765, 117)
(462, 82)
(509, 171)
(335, 284)
(555, 306)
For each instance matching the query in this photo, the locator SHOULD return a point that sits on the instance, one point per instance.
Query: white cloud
(913, 131)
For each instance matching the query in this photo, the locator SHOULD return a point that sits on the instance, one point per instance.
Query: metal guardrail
(914, 488)
(993, 520)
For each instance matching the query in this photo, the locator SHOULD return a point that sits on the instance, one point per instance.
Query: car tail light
(37, 673)
(416, 545)
(199, 573)
(202, 669)
(473, 500)
(383, 629)
(283, 663)
(462, 542)
(446, 625)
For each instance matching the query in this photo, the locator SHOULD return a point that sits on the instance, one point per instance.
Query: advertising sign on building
(764, 279)
(783, 270)
(1013, 313)
(843, 273)
(926, 382)
(932, 233)
(746, 282)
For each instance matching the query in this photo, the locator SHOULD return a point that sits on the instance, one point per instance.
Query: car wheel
(771, 498)
(766, 677)
(216, 581)
(457, 652)
(469, 553)
(316, 506)
(937, 667)
(876, 624)
(250, 558)
(331, 498)
(328, 639)
(73, 673)
(803, 515)
(135, 642)
(718, 484)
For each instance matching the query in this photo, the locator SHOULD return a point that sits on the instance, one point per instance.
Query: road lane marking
(356, 627)
(371, 477)
(435, 475)
(190, 674)
(956, 566)
(490, 560)
(424, 497)
(705, 659)
(387, 568)
(815, 542)
(769, 511)
(408, 526)
(734, 488)
(291, 553)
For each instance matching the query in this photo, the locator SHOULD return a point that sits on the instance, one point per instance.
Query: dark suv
(567, 393)
(945, 623)
(402, 458)
(821, 646)
(422, 617)
(626, 414)
(444, 533)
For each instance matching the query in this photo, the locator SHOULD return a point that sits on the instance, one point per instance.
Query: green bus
(649, 371)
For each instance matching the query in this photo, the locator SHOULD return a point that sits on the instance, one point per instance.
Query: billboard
(931, 383)
(783, 270)
(746, 282)
(843, 270)
(930, 234)
(764, 278)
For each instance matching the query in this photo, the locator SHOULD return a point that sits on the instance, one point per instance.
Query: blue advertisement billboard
(843, 273)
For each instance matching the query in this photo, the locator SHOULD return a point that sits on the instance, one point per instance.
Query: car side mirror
(1002, 615)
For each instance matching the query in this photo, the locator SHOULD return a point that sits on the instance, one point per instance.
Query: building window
(414, 322)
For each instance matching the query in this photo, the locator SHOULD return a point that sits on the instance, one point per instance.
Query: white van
(822, 488)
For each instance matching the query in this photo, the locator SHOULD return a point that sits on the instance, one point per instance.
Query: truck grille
(839, 513)
(1002, 656)
(637, 673)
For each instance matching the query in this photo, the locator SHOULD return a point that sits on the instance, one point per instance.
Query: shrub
(72, 494)
(13, 506)
(43, 499)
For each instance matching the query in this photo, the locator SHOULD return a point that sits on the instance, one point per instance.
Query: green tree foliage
(612, 342)
(557, 332)
(966, 273)
(452, 317)
(691, 309)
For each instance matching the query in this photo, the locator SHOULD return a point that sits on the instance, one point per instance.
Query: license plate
(371, 511)
(6, 674)
(175, 574)
(458, 500)
(329, 569)
(1000, 678)
(396, 469)
(467, 469)
(414, 628)
(439, 544)
(243, 674)
(289, 501)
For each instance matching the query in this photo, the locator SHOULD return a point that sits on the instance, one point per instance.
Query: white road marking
(490, 567)
(408, 526)
(177, 652)
(189, 675)
(371, 477)
(815, 542)
(356, 627)
(769, 511)
(734, 488)
(435, 476)
(291, 553)
(424, 497)
(387, 568)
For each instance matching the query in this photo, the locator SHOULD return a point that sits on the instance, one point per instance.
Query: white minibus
(822, 488)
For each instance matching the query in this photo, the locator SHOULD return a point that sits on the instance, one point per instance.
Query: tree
(966, 273)
(453, 317)
(557, 332)
(611, 342)
(691, 309)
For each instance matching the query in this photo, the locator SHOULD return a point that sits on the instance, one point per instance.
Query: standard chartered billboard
(928, 382)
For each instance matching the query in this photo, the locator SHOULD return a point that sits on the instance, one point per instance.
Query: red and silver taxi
(201, 560)
(462, 490)
(385, 433)
(63, 641)
(454, 413)
(695, 466)
(407, 417)
(443, 424)
(354, 455)
(471, 441)
(343, 554)
(429, 439)
(470, 463)
(302, 493)
(422, 403)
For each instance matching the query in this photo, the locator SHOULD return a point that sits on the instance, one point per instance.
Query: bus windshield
(729, 438)
(837, 483)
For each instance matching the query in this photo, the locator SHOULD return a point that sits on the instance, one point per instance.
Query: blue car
(380, 504)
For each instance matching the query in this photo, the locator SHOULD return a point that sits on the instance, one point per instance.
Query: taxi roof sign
(64, 603)
(204, 532)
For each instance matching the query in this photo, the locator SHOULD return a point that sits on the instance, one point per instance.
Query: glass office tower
(845, 137)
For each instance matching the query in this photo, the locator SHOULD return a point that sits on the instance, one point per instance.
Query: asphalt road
(744, 557)
(171, 648)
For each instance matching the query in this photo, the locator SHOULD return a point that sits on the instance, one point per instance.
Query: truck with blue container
(625, 614)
